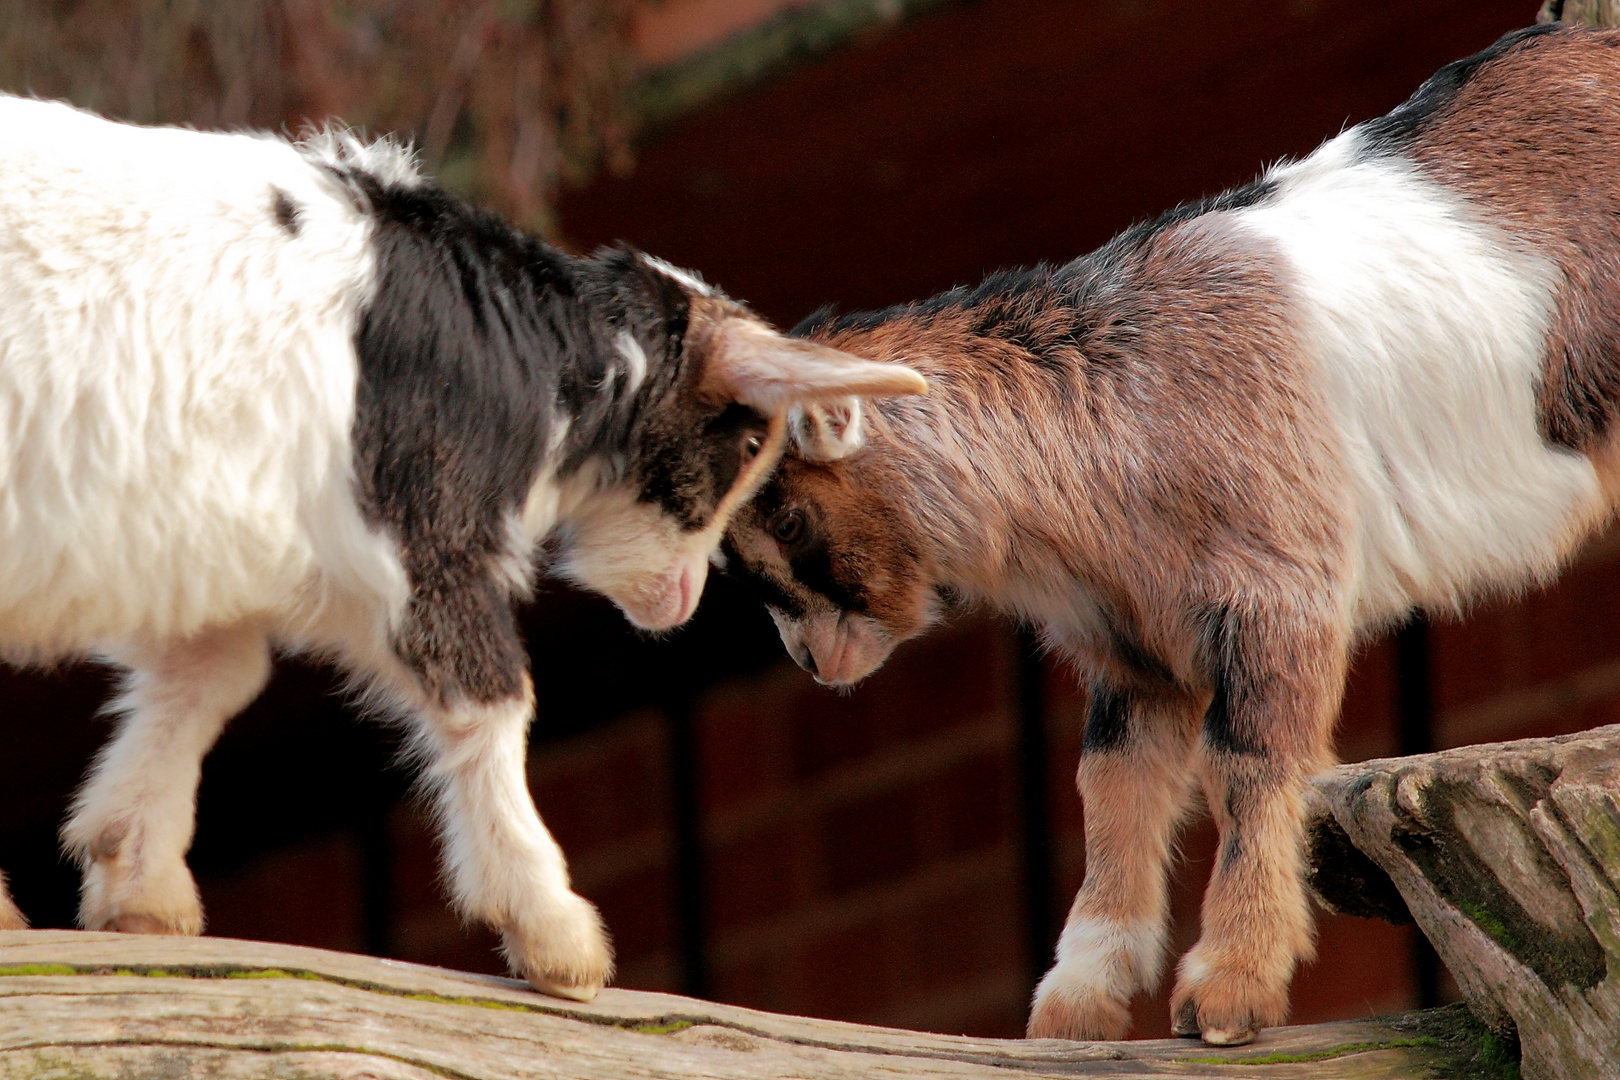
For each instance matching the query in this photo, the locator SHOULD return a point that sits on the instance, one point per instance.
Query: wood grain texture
(1507, 855)
(80, 1005)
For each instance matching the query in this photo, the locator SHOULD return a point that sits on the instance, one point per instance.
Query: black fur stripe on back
(1390, 133)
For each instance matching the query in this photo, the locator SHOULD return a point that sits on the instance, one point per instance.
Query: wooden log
(1507, 855)
(79, 1005)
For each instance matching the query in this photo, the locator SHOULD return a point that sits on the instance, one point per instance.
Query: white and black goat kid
(259, 394)
(1208, 458)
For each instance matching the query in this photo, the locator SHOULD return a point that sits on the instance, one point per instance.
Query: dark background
(902, 854)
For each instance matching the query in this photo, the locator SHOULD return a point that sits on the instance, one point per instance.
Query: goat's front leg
(464, 673)
(133, 819)
(1134, 781)
(1278, 682)
(502, 864)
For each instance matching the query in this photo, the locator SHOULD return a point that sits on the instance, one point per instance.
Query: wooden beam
(90, 1005)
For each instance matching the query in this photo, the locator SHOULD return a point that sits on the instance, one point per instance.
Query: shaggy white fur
(184, 364)
(177, 385)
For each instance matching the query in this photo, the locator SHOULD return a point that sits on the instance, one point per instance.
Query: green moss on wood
(38, 969)
(1494, 1059)
(1471, 1050)
(1493, 927)
(1306, 1056)
(1439, 849)
(475, 1002)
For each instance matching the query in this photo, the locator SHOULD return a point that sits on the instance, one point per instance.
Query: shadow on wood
(89, 1005)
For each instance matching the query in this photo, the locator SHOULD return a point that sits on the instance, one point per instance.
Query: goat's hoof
(1230, 1018)
(571, 960)
(136, 923)
(185, 922)
(1223, 1037)
(1081, 1013)
(178, 919)
(586, 992)
(157, 897)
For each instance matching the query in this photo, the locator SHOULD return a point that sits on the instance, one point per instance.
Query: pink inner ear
(829, 432)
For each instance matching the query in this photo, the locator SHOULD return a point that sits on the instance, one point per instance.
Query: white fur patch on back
(341, 147)
(1428, 328)
(177, 384)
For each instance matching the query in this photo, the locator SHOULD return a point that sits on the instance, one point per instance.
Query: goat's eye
(751, 447)
(787, 527)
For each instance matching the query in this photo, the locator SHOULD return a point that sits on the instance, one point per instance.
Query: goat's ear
(749, 362)
(827, 430)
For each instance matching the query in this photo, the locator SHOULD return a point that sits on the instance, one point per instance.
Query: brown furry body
(1185, 458)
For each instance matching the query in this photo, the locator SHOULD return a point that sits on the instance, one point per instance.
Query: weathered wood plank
(1507, 855)
(90, 1005)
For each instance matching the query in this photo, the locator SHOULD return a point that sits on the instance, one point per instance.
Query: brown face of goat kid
(828, 546)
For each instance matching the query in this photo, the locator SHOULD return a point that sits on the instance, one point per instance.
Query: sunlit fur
(260, 395)
(1210, 457)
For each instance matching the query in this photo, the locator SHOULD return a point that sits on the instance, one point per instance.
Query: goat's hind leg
(133, 819)
(1134, 780)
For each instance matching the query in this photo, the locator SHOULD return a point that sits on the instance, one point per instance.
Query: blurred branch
(794, 33)
(506, 97)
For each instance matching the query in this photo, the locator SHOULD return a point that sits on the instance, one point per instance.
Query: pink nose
(680, 591)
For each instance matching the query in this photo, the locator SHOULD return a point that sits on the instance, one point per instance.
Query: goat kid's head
(704, 427)
(831, 548)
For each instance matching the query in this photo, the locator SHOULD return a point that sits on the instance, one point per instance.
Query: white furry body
(189, 478)
(177, 396)
(1428, 328)
(177, 387)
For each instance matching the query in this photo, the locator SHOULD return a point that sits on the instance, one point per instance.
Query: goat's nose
(806, 659)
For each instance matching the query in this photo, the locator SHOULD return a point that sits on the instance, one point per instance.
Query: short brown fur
(1131, 453)
(1149, 451)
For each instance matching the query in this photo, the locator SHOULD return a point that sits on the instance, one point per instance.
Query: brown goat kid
(1209, 457)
